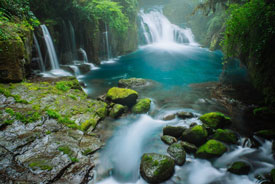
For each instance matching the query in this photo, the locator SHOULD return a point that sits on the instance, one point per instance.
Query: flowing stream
(182, 72)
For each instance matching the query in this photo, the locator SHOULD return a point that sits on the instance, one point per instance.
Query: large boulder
(240, 168)
(122, 96)
(156, 168)
(177, 152)
(227, 136)
(142, 106)
(211, 149)
(173, 131)
(167, 139)
(196, 135)
(117, 110)
(215, 120)
(132, 83)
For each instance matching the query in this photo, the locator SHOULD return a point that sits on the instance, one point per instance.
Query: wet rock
(156, 168)
(188, 147)
(215, 120)
(240, 168)
(193, 124)
(169, 117)
(185, 115)
(142, 106)
(226, 135)
(272, 173)
(173, 131)
(196, 135)
(211, 149)
(266, 134)
(122, 96)
(117, 110)
(168, 139)
(132, 83)
(177, 152)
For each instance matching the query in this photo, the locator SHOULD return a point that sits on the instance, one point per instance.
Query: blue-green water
(177, 65)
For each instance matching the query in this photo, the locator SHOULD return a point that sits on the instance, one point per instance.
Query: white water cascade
(108, 49)
(156, 28)
(50, 47)
(73, 41)
(37, 46)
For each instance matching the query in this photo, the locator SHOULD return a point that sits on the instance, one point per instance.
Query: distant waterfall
(108, 49)
(73, 41)
(157, 28)
(50, 47)
(37, 46)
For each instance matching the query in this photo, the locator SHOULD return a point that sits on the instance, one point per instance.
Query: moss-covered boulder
(177, 152)
(240, 168)
(132, 83)
(267, 134)
(173, 131)
(156, 168)
(196, 135)
(188, 147)
(117, 110)
(226, 135)
(122, 96)
(185, 115)
(142, 106)
(167, 139)
(215, 120)
(211, 149)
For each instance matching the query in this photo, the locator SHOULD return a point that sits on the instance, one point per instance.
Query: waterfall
(50, 48)
(157, 28)
(37, 46)
(73, 42)
(84, 54)
(108, 49)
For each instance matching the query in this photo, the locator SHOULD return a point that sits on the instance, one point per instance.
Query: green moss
(215, 120)
(40, 164)
(239, 168)
(67, 85)
(53, 114)
(196, 135)
(117, 110)
(72, 96)
(226, 136)
(74, 159)
(142, 106)
(10, 111)
(211, 148)
(116, 93)
(267, 134)
(48, 132)
(66, 150)
(87, 124)
(17, 98)
(87, 152)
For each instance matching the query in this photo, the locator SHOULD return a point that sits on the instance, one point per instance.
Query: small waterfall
(37, 46)
(157, 28)
(108, 49)
(75, 69)
(73, 42)
(50, 47)
(84, 54)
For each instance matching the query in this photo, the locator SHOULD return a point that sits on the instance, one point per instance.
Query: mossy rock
(122, 96)
(167, 139)
(196, 135)
(267, 134)
(132, 83)
(117, 110)
(156, 168)
(215, 120)
(173, 131)
(188, 147)
(40, 164)
(185, 115)
(142, 106)
(226, 135)
(239, 168)
(211, 149)
(177, 152)
(169, 117)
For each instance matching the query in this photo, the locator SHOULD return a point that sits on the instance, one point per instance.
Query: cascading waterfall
(84, 54)
(50, 47)
(37, 46)
(157, 28)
